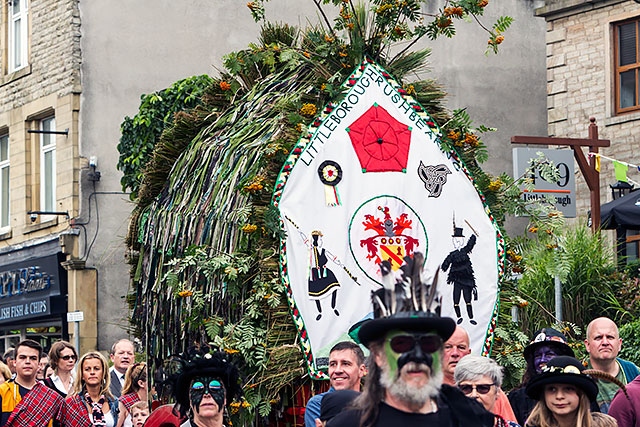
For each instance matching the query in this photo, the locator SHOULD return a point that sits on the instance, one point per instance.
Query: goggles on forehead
(199, 386)
(429, 343)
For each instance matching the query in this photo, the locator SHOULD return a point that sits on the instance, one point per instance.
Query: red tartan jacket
(37, 408)
(128, 400)
(75, 413)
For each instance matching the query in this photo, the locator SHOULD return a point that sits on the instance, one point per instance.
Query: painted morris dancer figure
(321, 279)
(461, 272)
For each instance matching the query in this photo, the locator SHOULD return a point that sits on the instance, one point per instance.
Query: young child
(564, 394)
(139, 413)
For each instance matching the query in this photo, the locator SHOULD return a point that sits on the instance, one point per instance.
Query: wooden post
(587, 167)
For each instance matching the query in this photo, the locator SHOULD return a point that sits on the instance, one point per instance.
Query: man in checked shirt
(25, 401)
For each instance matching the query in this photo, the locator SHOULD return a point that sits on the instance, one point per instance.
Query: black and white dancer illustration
(322, 281)
(461, 274)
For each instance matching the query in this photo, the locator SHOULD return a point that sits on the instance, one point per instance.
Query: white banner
(370, 183)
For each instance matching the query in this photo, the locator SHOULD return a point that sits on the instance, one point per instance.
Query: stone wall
(54, 55)
(580, 83)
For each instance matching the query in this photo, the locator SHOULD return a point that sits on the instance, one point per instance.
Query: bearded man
(404, 381)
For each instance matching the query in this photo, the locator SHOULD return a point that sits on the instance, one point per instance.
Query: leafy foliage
(630, 334)
(140, 133)
(584, 266)
(204, 233)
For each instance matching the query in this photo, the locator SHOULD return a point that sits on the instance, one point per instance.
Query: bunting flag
(621, 168)
(402, 196)
(621, 171)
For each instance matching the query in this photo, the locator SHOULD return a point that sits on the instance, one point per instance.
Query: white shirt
(108, 418)
(59, 384)
(120, 376)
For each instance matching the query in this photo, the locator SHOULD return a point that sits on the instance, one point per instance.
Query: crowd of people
(420, 371)
(418, 375)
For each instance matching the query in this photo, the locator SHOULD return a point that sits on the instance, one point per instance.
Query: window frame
(22, 38)
(44, 150)
(5, 198)
(619, 69)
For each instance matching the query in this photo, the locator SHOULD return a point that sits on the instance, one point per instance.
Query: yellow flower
(411, 90)
(453, 135)
(495, 185)
(306, 54)
(328, 38)
(471, 139)
(246, 404)
(231, 351)
(186, 293)
(235, 407)
(533, 230)
(224, 85)
(249, 228)
(308, 110)
(383, 8)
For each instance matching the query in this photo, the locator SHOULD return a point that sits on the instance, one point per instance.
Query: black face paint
(415, 355)
(202, 385)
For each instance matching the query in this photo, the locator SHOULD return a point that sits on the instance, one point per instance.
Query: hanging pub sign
(563, 191)
(369, 183)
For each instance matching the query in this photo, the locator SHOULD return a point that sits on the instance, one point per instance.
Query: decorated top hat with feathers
(405, 303)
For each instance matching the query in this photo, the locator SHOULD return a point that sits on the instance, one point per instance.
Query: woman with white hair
(480, 378)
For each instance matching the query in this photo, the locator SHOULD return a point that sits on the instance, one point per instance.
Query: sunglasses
(404, 343)
(69, 357)
(480, 388)
(198, 386)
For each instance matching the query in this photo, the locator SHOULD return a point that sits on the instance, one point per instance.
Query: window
(4, 181)
(48, 165)
(18, 34)
(627, 65)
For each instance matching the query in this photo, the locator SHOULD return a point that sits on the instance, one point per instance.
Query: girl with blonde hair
(564, 393)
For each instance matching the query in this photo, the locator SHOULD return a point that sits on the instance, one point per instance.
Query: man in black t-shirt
(404, 386)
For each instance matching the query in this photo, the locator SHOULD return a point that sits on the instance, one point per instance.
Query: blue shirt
(313, 409)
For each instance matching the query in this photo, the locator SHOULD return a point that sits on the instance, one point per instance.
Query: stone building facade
(583, 68)
(70, 71)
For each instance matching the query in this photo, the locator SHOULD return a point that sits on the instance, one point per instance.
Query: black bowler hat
(563, 370)
(405, 305)
(551, 338)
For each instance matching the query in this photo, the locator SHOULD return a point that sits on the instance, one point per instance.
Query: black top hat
(563, 370)
(551, 338)
(457, 232)
(416, 321)
(405, 305)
